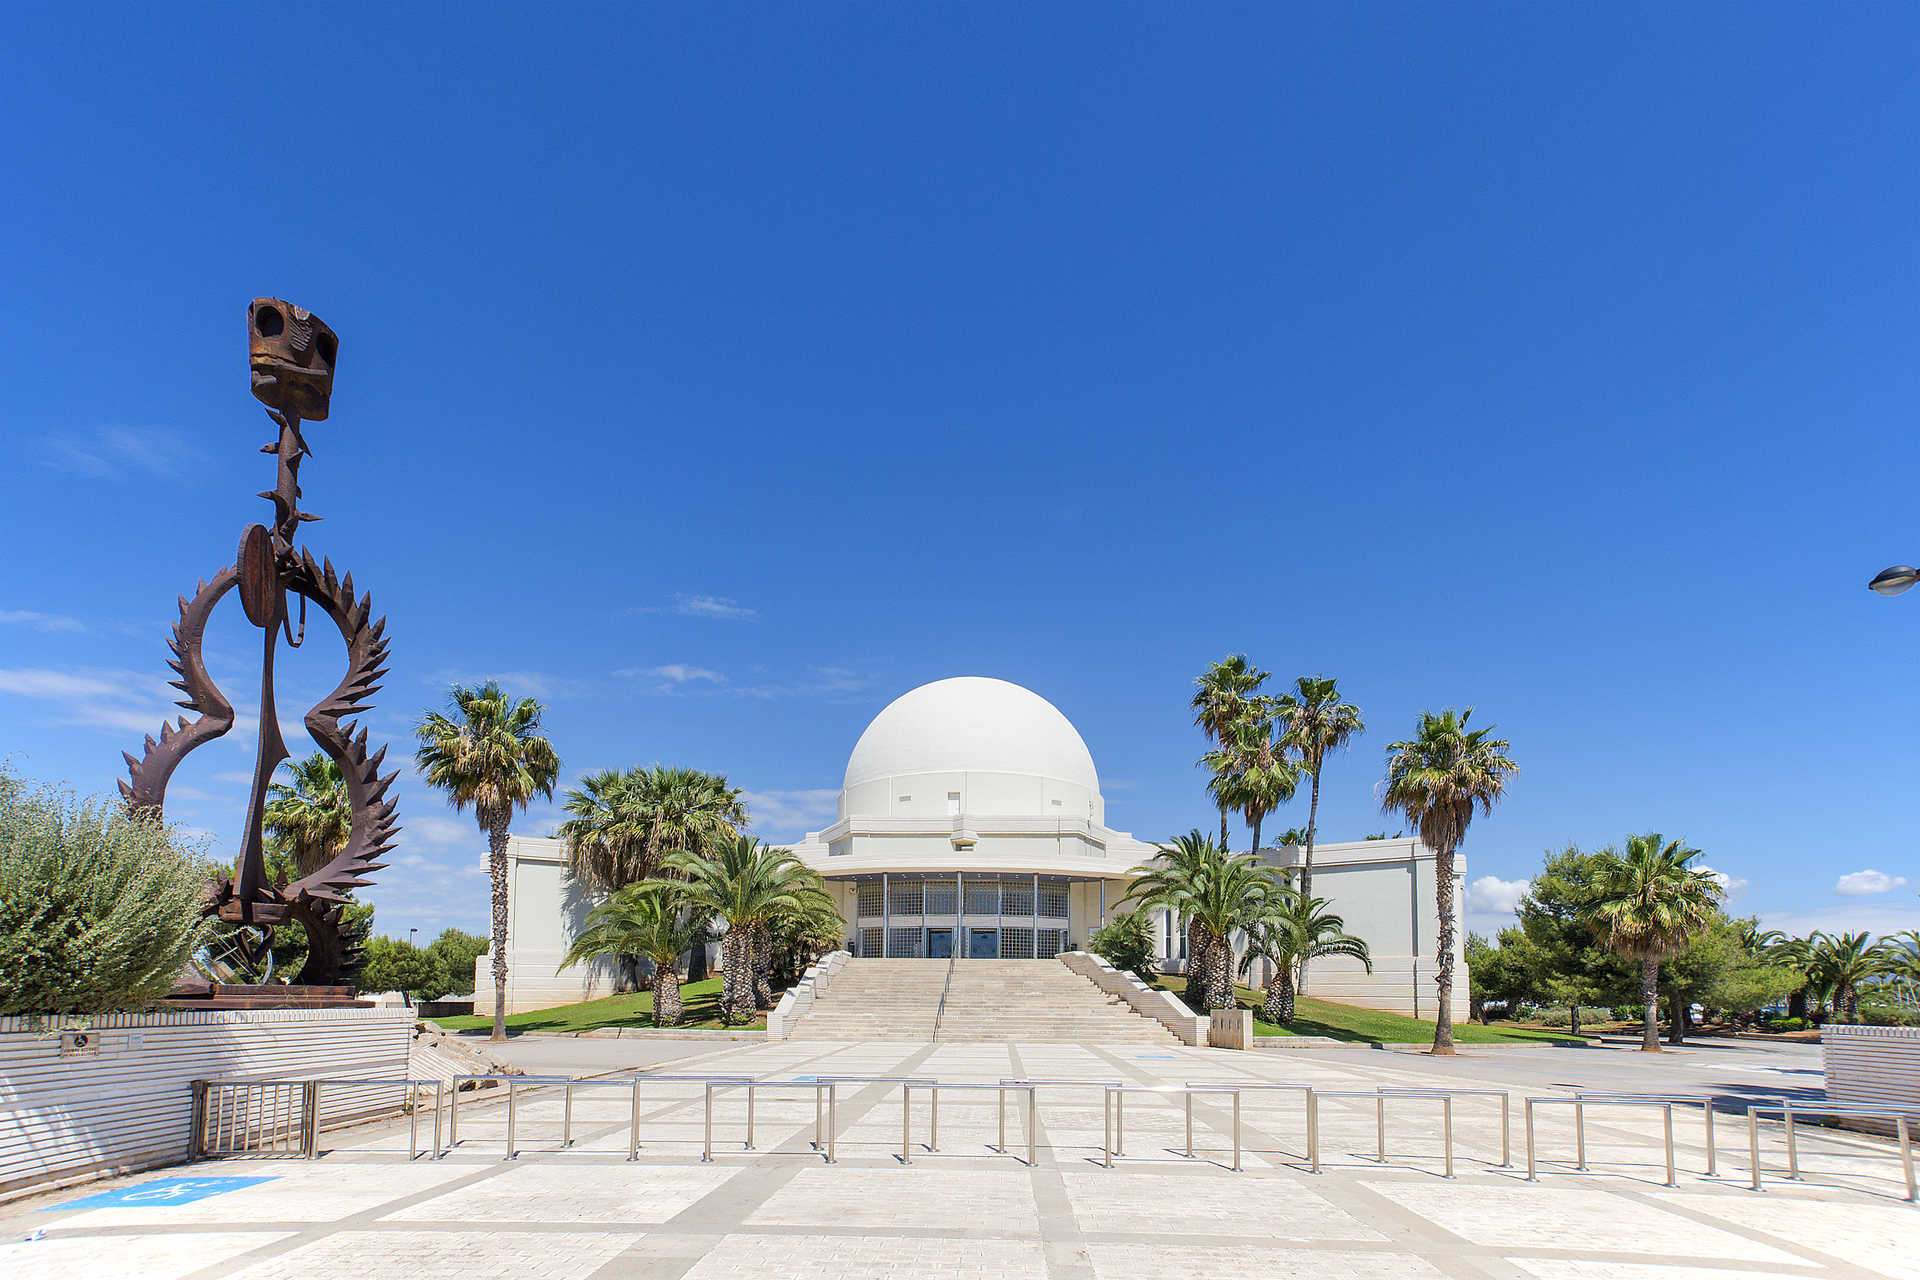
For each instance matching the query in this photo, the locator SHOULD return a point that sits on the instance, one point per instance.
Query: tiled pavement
(967, 1211)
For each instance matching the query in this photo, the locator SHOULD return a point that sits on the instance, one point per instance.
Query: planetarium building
(971, 820)
(970, 825)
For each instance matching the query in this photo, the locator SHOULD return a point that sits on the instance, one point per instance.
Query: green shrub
(457, 951)
(1626, 1013)
(1126, 943)
(99, 911)
(394, 965)
(1787, 1024)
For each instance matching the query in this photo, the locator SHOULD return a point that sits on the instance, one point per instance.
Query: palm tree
(309, 816)
(1219, 894)
(1295, 836)
(1221, 700)
(1652, 901)
(1294, 930)
(747, 885)
(1251, 773)
(1841, 962)
(1313, 724)
(1792, 953)
(1437, 778)
(636, 924)
(488, 756)
(622, 824)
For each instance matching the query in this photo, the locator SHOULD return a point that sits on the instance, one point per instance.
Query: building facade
(971, 824)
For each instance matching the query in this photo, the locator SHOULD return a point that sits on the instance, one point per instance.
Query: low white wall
(799, 999)
(1230, 1029)
(128, 1103)
(1876, 1066)
(1159, 1005)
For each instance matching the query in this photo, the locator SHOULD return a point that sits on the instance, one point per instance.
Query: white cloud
(40, 621)
(701, 606)
(674, 673)
(1861, 884)
(1876, 918)
(788, 815)
(438, 831)
(1492, 895)
(515, 684)
(124, 701)
(112, 452)
(1730, 885)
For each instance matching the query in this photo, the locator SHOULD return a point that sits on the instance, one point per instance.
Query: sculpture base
(271, 995)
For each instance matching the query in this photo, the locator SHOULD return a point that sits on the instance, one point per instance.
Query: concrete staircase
(972, 1000)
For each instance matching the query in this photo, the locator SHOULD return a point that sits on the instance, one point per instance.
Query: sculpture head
(292, 352)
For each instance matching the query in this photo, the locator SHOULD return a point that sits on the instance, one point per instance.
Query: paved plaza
(967, 1210)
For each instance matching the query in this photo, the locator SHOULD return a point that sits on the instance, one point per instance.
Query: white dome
(971, 724)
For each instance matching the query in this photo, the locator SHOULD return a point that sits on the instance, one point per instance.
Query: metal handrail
(1787, 1111)
(1580, 1106)
(1704, 1101)
(1506, 1112)
(821, 1141)
(1113, 1112)
(513, 1088)
(933, 1127)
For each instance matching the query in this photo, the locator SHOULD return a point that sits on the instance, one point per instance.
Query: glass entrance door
(983, 944)
(939, 944)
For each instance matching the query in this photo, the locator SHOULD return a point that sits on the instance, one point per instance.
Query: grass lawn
(633, 1010)
(1370, 1026)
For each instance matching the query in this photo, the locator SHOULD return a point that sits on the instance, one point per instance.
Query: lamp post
(410, 934)
(1891, 582)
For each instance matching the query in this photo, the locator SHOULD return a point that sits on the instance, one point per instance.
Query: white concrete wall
(938, 794)
(1875, 1066)
(129, 1103)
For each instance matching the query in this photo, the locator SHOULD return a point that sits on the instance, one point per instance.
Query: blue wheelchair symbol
(161, 1191)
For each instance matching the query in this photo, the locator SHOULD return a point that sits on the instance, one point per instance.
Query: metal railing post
(513, 1094)
(197, 1136)
(706, 1152)
(1313, 1131)
(906, 1121)
(750, 1115)
(1580, 1134)
(311, 1105)
(566, 1117)
(819, 1138)
(1106, 1127)
(1906, 1156)
(1531, 1175)
(833, 1123)
(1753, 1143)
(439, 1149)
(1380, 1127)
(1119, 1124)
(413, 1123)
(1506, 1130)
(1236, 1129)
(1446, 1129)
(1033, 1126)
(1000, 1106)
(1793, 1146)
(933, 1118)
(1666, 1114)
(1190, 1126)
(1713, 1155)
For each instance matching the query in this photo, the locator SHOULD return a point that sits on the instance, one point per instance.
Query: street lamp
(410, 934)
(1891, 582)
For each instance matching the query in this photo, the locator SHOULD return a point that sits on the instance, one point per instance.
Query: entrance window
(983, 897)
(941, 899)
(983, 944)
(939, 944)
(903, 897)
(870, 901)
(903, 943)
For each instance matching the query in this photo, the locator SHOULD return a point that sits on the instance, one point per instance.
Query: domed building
(971, 825)
(970, 817)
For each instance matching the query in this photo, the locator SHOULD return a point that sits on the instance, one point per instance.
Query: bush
(457, 952)
(1626, 1012)
(393, 965)
(1126, 943)
(99, 911)
(1787, 1024)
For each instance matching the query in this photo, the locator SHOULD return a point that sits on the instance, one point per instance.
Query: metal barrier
(1261, 1086)
(633, 1124)
(513, 1103)
(1114, 1114)
(934, 1087)
(266, 1117)
(1704, 1101)
(1788, 1109)
(1506, 1114)
(817, 1084)
(1379, 1097)
(1580, 1106)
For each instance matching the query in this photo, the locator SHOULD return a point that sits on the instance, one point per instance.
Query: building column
(886, 917)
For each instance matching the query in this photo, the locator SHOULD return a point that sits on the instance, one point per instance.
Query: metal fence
(263, 1117)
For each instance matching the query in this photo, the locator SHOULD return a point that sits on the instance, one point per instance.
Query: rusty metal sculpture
(292, 355)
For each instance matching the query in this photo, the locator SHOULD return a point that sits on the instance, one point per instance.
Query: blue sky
(718, 373)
